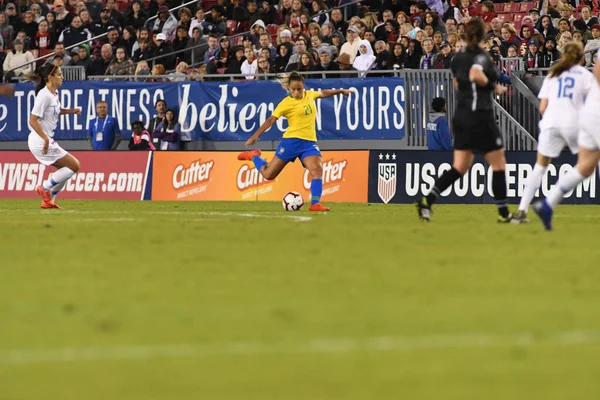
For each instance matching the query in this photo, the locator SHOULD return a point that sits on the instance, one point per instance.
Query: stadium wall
(378, 176)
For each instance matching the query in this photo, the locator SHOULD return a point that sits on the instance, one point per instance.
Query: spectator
(29, 26)
(337, 40)
(164, 52)
(319, 12)
(265, 41)
(564, 26)
(338, 22)
(465, 11)
(433, 19)
(36, 10)
(443, 59)
(250, 64)
(547, 29)
(86, 20)
(460, 45)
(84, 57)
(397, 57)
(366, 60)
(513, 52)
(144, 52)
(136, 15)
(533, 58)
(142, 69)
(140, 138)
(99, 65)
(121, 64)
(316, 43)
(282, 59)
(62, 15)
(587, 17)
(6, 30)
(565, 38)
(11, 15)
(550, 53)
(578, 36)
(58, 61)
(168, 132)
(263, 68)
(43, 39)
(213, 51)
(487, 12)
(351, 46)
(264, 52)
(75, 33)
(343, 62)
(235, 60)
(59, 49)
(437, 41)
(495, 28)
(94, 7)
(304, 62)
(54, 27)
(254, 14)
(112, 38)
(142, 34)
(299, 47)
(285, 36)
(16, 58)
(197, 47)
(129, 39)
(115, 14)
(381, 54)
(215, 22)
(104, 132)
(534, 13)
(181, 41)
(161, 108)
(509, 37)
(196, 22)
(103, 24)
(166, 23)
(426, 61)
(180, 72)
(326, 64)
(592, 45)
(438, 130)
(414, 52)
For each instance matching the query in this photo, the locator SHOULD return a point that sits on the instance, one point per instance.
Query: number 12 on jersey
(565, 87)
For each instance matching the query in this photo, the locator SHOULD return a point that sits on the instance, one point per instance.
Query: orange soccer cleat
(247, 155)
(318, 207)
(44, 194)
(49, 204)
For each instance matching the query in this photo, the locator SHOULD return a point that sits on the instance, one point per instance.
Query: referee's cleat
(247, 155)
(423, 209)
(520, 218)
(543, 210)
(505, 220)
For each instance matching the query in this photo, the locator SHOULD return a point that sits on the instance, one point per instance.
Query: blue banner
(404, 176)
(218, 110)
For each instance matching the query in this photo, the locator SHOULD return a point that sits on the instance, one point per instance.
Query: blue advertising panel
(404, 176)
(218, 110)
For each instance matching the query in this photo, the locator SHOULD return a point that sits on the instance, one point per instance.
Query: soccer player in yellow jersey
(299, 140)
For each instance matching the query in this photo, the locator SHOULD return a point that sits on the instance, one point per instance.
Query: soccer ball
(292, 201)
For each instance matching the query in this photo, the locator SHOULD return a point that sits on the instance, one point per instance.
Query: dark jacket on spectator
(30, 29)
(72, 36)
(513, 40)
(98, 28)
(98, 67)
(170, 139)
(197, 49)
(533, 60)
(442, 62)
(165, 57)
(136, 21)
(332, 66)
(137, 143)
(181, 44)
(140, 55)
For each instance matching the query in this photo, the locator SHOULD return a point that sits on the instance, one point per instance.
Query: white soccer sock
(60, 176)
(564, 185)
(534, 181)
(56, 189)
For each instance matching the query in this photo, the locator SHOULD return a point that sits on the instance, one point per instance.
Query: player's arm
(543, 106)
(37, 127)
(597, 70)
(334, 92)
(68, 111)
(264, 127)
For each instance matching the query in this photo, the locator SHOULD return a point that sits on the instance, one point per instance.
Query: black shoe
(423, 209)
(520, 218)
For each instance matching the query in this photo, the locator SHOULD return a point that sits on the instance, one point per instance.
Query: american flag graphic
(386, 181)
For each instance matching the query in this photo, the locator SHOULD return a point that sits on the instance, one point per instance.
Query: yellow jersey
(301, 115)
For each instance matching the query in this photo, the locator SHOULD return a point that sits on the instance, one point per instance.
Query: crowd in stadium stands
(282, 36)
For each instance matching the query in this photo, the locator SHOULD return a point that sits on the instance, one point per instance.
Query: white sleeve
(39, 105)
(146, 137)
(543, 94)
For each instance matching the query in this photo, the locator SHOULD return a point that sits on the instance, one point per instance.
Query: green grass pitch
(151, 300)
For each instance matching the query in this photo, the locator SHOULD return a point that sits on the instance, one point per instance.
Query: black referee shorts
(476, 131)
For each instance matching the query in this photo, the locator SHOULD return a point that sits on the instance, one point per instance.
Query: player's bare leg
(314, 165)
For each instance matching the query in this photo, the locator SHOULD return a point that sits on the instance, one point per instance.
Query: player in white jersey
(561, 97)
(587, 159)
(43, 121)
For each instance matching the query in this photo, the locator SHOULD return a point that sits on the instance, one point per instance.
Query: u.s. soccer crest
(386, 181)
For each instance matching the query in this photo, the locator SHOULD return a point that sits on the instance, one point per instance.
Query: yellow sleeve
(313, 94)
(281, 109)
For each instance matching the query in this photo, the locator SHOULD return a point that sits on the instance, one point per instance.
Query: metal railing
(522, 104)
(95, 38)
(515, 136)
(510, 64)
(73, 72)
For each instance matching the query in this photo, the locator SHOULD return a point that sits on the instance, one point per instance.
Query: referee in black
(474, 123)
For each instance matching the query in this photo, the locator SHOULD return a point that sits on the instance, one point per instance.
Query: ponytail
(41, 77)
(475, 31)
(285, 80)
(572, 56)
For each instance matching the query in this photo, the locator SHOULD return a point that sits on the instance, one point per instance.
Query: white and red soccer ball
(292, 201)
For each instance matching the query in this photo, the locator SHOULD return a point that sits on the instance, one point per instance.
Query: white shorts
(36, 146)
(552, 141)
(589, 132)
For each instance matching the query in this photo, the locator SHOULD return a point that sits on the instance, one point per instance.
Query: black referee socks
(499, 190)
(443, 183)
